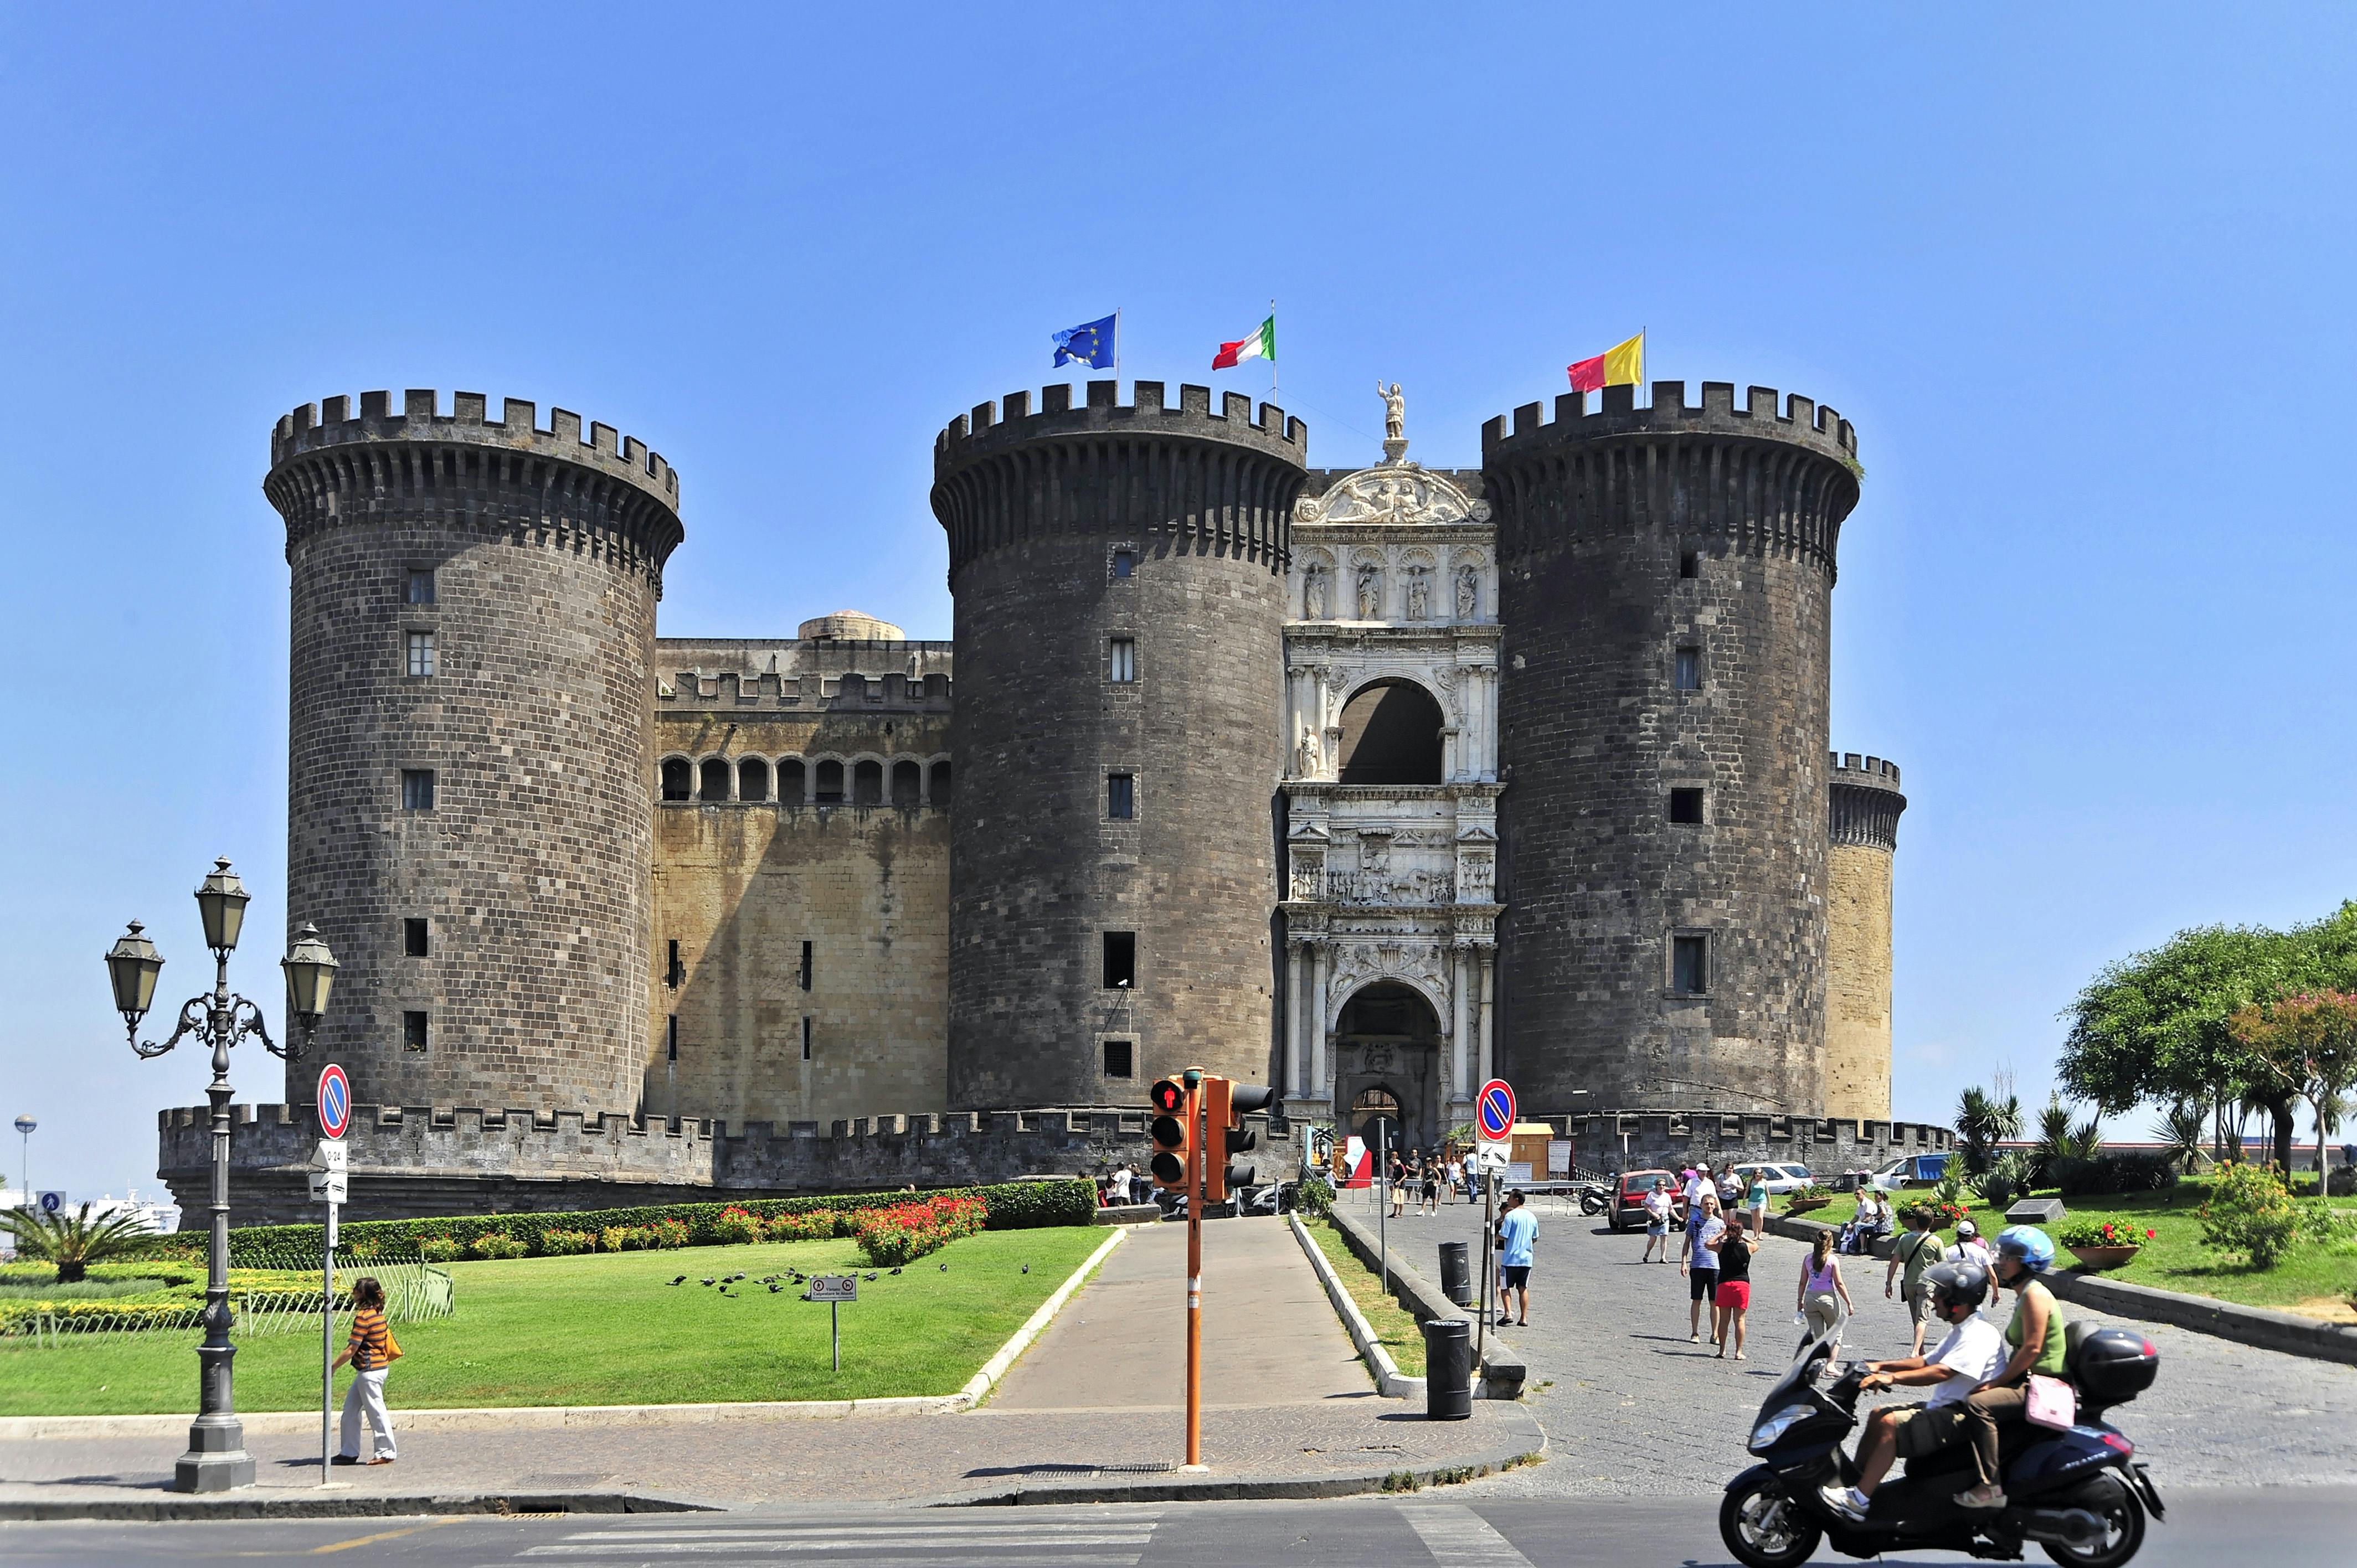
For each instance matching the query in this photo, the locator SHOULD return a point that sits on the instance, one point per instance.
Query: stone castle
(1369, 783)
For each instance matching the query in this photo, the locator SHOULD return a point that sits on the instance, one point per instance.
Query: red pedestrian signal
(1173, 1131)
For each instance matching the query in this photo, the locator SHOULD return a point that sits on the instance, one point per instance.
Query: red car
(1629, 1200)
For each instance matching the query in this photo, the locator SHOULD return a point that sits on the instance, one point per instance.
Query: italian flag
(1260, 345)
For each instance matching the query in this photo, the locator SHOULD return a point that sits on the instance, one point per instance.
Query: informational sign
(1517, 1172)
(1558, 1157)
(329, 1164)
(1495, 1116)
(334, 1101)
(1491, 1157)
(834, 1287)
(52, 1202)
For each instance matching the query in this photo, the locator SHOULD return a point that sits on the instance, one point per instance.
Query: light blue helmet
(2028, 1245)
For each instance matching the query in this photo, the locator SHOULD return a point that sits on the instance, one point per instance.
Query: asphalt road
(2288, 1527)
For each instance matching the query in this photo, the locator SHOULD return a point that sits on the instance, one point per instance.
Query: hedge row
(1014, 1205)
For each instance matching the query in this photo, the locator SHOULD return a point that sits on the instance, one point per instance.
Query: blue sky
(2078, 276)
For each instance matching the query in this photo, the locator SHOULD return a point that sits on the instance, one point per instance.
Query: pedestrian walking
(1915, 1253)
(1657, 1220)
(1398, 1183)
(1433, 1169)
(1731, 1303)
(371, 1353)
(1518, 1235)
(1698, 1262)
(1755, 1199)
(1456, 1175)
(1824, 1300)
(1970, 1248)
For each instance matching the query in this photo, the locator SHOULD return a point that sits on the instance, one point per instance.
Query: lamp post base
(216, 1460)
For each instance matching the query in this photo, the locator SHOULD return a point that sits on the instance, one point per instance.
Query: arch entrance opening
(1387, 1065)
(1390, 735)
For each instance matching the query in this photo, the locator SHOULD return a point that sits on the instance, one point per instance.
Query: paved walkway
(1631, 1409)
(1094, 1405)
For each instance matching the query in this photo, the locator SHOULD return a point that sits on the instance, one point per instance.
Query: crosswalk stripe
(1024, 1527)
(1459, 1538)
(930, 1559)
(781, 1544)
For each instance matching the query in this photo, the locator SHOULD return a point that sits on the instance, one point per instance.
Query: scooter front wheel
(1764, 1527)
(2123, 1517)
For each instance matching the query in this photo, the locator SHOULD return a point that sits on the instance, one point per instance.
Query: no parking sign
(1495, 1113)
(334, 1101)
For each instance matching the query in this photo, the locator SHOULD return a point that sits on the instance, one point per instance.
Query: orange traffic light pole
(1195, 1155)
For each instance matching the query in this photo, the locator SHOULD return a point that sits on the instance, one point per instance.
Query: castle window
(415, 938)
(830, 783)
(1690, 964)
(672, 972)
(1119, 961)
(678, 778)
(1390, 735)
(420, 588)
(867, 784)
(940, 784)
(806, 1037)
(791, 786)
(752, 780)
(1125, 564)
(417, 788)
(421, 654)
(908, 785)
(1121, 796)
(1685, 805)
(671, 1038)
(1689, 668)
(1690, 564)
(1120, 1059)
(806, 966)
(413, 1031)
(714, 774)
(1124, 659)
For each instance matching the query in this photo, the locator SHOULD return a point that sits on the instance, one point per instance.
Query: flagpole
(1272, 359)
(1116, 342)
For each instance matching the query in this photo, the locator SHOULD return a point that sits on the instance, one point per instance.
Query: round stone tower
(1119, 579)
(1866, 803)
(1666, 580)
(469, 791)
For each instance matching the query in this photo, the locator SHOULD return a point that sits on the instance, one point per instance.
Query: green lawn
(610, 1328)
(2312, 1277)
(1395, 1328)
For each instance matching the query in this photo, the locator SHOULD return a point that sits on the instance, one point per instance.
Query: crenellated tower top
(1865, 799)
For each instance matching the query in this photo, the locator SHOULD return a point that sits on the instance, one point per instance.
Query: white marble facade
(1393, 580)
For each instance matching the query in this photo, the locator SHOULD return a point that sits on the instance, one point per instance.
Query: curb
(1389, 1380)
(172, 1505)
(2253, 1326)
(1499, 1376)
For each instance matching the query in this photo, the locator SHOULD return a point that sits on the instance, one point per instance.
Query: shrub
(891, 1237)
(438, 1249)
(2250, 1211)
(496, 1245)
(563, 1243)
(2115, 1173)
(1315, 1195)
(818, 1225)
(1943, 1215)
(2326, 1226)
(660, 1234)
(735, 1227)
(2005, 1180)
(614, 1239)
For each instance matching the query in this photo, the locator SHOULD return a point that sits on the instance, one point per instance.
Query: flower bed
(888, 1238)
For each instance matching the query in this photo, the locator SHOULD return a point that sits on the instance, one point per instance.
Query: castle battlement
(1864, 801)
(332, 423)
(1802, 420)
(1865, 773)
(993, 424)
(724, 674)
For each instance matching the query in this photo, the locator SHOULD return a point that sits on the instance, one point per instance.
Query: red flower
(2149, 1234)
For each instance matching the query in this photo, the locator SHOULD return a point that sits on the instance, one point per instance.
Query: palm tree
(2184, 1130)
(1982, 1122)
(74, 1242)
(2053, 1138)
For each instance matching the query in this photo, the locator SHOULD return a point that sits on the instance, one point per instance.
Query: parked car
(1912, 1170)
(1629, 1199)
(1778, 1177)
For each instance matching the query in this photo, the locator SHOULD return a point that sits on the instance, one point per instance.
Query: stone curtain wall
(1596, 510)
(1866, 803)
(532, 867)
(1035, 507)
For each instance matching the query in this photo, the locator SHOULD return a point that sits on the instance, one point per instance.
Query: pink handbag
(2052, 1402)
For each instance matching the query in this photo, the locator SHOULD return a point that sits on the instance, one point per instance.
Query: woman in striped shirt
(371, 1353)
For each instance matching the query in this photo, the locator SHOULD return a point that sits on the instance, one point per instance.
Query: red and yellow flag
(1622, 365)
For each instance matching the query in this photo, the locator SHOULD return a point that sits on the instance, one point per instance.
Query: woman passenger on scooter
(2023, 1252)
(1971, 1350)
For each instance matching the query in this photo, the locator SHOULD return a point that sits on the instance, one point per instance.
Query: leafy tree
(74, 1242)
(2305, 1046)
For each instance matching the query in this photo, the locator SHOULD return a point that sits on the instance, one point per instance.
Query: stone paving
(1631, 1409)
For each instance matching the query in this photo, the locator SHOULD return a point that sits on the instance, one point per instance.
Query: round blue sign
(334, 1101)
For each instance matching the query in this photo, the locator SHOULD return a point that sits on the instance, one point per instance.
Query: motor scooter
(2076, 1493)
(1595, 1196)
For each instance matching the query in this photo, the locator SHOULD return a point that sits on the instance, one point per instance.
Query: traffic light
(1226, 1103)
(1173, 1131)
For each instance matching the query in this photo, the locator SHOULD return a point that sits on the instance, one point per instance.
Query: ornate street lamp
(216, 1460)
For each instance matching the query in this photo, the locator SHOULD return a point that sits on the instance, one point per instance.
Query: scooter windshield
(1808, 1364)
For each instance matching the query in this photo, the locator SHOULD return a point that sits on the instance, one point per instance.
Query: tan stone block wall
(741, 887)
(1857, 984)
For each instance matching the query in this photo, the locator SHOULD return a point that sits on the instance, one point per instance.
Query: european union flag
(1091, 343)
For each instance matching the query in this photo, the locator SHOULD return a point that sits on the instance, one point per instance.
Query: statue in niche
(1305, 754)
(1394, 411)
(1313, 593)
(1371, 593)
(1469, 593)
(1419, 594)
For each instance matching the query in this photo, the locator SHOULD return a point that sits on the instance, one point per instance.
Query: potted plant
(1802, 1200)
(2100, 1244)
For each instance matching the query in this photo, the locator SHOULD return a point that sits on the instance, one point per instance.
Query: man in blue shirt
(1518, 1231)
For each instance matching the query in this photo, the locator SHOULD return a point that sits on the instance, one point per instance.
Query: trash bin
(1449, 1370)
(1457, 1272)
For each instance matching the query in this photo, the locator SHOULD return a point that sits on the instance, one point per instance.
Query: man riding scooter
(1973, 1351)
